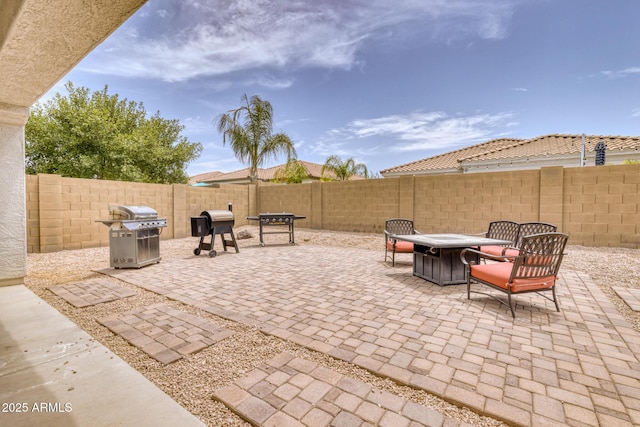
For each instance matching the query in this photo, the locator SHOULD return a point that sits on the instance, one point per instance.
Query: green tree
(249, 131)
(343, 170)
(97, 135)
(292, 173)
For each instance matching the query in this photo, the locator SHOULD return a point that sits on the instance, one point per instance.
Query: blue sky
(384, 82)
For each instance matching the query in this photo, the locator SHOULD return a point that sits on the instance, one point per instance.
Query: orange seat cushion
(511, 253)
(493, 250)
(498, 275)
(401, 246)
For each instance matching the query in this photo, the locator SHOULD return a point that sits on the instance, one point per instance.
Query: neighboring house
(202, 178)
(518, 154)
(314, 171)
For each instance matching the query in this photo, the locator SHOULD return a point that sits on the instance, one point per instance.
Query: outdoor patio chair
(502, 230)
(527, 229)
(535, 269)
(397, 226)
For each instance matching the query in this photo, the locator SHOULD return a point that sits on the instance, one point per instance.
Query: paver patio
(91, 292)
(291, 391)
(165, 333)
(576, 367)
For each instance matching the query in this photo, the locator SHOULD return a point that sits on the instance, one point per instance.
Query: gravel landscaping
(192, 380)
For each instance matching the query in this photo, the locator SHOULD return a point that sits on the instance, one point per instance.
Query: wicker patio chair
(535, 269)
(397, 226)
(502, 230)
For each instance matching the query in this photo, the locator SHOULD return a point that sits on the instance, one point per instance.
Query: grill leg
(232, 242)
(292, 240)
(261, 241)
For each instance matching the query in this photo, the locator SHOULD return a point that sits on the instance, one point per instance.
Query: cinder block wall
(200, 199)
(601, 205)
(467, 203)
(287, 198)
(360, 206)
(62, 213)
(597, 206)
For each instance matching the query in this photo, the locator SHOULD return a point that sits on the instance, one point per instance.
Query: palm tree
(248, 129)
(343, 170)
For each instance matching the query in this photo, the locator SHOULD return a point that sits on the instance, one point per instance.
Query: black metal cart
(211, 223)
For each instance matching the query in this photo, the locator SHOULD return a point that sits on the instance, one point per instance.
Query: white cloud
(621, 73)
(418, 131)
(181, 40)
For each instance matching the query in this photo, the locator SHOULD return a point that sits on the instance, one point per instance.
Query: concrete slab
(52, 374)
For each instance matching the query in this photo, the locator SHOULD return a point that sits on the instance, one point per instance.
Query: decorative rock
(244, 234)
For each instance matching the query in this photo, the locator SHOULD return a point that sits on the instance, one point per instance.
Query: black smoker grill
(212, 223)
(134, 236)
(276, 219)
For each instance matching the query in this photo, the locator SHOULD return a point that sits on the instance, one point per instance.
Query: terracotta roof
(204, 177)
(504, 148)
(450, 160)
(313, 170)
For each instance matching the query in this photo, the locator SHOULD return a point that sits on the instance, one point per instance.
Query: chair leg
(393, 257)
(513, 313)
(555, 299)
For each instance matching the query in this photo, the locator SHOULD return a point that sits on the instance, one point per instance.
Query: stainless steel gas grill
(269, 219)
(212, 223)
(134, 236)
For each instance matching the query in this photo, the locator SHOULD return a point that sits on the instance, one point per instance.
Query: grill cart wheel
(212, 254)
(196, 251)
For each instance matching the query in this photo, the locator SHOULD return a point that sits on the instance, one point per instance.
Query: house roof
(204, 177)
(511, 148)
(314, 170)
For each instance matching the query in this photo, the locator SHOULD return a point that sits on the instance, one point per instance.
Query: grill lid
(132, 212)
(216, 216)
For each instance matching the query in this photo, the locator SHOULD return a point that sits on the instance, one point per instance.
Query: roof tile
(507, 148)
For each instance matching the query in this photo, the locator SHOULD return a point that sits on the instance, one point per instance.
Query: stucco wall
(13, 255)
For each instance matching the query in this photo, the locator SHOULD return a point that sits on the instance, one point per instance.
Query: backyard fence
(596, 206)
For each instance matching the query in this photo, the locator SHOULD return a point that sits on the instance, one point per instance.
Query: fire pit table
(436, 257)
(269, 219)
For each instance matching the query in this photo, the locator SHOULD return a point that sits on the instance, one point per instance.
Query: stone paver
(327, 398)
(630, 296)
(576, 367)
(91, 292)
(165, 333)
